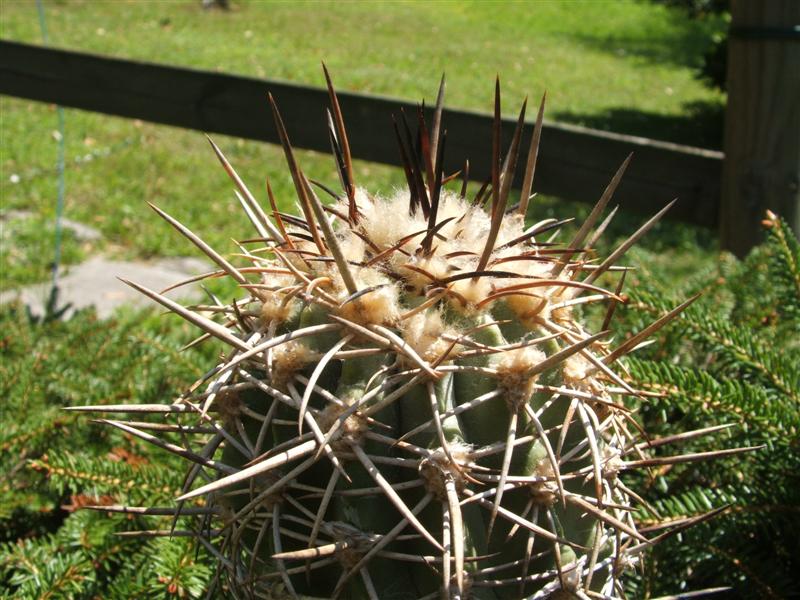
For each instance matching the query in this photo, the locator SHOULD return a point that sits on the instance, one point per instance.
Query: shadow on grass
(676, 40)
(700, 125)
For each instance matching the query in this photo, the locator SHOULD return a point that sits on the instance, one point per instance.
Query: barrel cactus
(410, 404)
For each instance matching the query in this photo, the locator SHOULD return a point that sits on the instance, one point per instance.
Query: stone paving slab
(82, 232)
(95, 283)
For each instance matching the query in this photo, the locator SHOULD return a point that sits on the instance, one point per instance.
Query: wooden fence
(574, 162)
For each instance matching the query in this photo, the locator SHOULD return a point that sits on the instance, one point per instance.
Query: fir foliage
(738, 363)
(54, 463)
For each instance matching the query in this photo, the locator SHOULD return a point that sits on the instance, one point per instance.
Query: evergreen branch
(735, 344)
(101, 476)
(27, 437)
(38, 571)
(788, 249)
(695, 391)
(766, 590)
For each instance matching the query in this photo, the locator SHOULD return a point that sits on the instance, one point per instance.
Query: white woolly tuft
(518, 361)
(387, 220)
(288, 359)
(424, 332)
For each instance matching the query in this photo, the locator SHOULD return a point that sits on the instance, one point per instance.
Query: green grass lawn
(595, 59)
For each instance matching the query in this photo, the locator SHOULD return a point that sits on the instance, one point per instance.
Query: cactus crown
(409, 405)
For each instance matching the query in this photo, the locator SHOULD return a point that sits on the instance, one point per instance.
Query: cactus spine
(409, 405)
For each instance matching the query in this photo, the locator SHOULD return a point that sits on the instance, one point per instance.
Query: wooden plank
(574, 162)
(762, 124)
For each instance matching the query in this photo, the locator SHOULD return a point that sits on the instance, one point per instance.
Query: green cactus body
(408, 407)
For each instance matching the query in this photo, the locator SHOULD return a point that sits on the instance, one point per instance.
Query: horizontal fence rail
(574, 162)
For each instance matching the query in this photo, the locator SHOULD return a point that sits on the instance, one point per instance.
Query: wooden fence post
(762, 121)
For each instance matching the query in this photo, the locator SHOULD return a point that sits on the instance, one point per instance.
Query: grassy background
(621, 65)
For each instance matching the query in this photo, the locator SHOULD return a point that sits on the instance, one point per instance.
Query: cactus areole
(408, 404)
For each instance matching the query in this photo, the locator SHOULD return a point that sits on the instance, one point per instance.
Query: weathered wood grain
(762, 123)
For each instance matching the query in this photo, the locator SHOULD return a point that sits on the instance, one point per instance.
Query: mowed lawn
(596, 59)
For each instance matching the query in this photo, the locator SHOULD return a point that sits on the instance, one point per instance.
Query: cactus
(410, 405)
